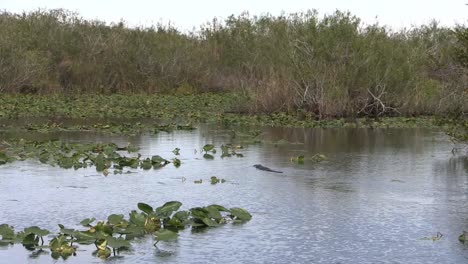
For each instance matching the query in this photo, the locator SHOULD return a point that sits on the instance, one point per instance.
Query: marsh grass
(330, 66)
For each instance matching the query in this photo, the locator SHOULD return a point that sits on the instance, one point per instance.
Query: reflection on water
(374, 198)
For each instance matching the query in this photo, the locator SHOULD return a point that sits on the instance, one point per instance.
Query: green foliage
(320, 66)
(117, 232)
(461, 51)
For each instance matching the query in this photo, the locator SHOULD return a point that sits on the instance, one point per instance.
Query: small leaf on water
(167, 209)
(209, 222)
(117, 243)
(145, 208)
(87, 221)
(208, 156)
(241, 214)
(36, 230)
(208, 147)
(115, 218)
(165, 235)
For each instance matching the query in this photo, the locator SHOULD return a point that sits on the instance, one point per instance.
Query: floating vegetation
(314, 159)
(216, 180)
(104, 157)
(437, 237)
(230, 150)
(114, 114)
(75, 155)
(117, 232)
(463, 237)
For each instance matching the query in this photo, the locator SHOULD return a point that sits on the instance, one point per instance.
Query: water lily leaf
(146, 164)
(7, 232)
(463, 237)
(176, 162)
(199, 212)
(240, 214)
(209, 222)
(137, 219)
(117, 243)
(176, 151)
(145, 208)
(30, 240)
(67, 231)
(182, 215)
(158, 161)
(208, 156)
(219, 207)
(115, 219)
(165, 235)
(104, 253)
(36, 230)
(168, 208)
(84, 238)
(104, 229)
(134, 231)
(208, 147)
(87, 221)
(214, 213)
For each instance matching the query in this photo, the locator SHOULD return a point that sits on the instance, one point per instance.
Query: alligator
(263, 168)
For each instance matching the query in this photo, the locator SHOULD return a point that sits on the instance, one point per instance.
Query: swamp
(185, 148)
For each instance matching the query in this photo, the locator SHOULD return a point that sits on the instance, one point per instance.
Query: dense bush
(330, 66)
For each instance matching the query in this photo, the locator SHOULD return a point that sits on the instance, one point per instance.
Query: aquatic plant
(117, 232)
(315, 66)
(314, 159)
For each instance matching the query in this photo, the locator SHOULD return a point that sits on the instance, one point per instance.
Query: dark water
(378, 194)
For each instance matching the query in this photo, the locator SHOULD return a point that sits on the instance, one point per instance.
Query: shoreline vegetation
(60, 72)
(326, 67)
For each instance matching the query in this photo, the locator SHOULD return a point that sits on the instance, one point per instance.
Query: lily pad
(240, 214)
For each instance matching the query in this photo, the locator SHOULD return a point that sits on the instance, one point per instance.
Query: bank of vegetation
(322, 67)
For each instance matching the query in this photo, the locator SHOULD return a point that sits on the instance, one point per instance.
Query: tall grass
(325, 66)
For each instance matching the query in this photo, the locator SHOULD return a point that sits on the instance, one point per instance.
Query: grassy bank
(330, 66)
(137, 114)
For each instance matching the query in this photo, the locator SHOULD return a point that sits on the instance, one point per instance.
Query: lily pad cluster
(206, 107)
(228, 150)
(75, 155)
(117, 232)
(314, 158)
(126, 127)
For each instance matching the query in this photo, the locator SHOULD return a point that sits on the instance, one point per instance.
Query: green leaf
(219, 207)
(84, 238)
(117, 242)
(86, 222)
(134, 231)
(146, 164)
(208, 156)
(137, 219)
(165, 235)
(115, 219)
(214, 213)
(176, 162)
(158, 161)
(36, 230)
(241, 214)
(7, 232)
(209, 222)
(199, 212)
(168, 208)
(208, 147)
(30, 240)
(145, 208)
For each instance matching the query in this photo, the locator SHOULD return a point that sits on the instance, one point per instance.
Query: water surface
(372, 201)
